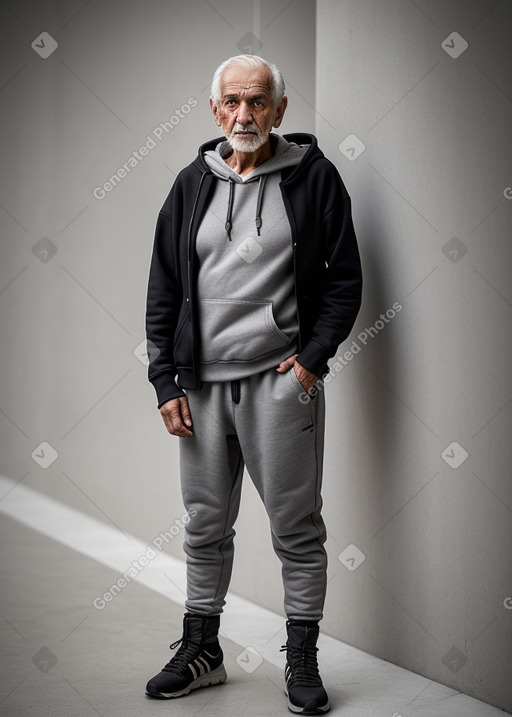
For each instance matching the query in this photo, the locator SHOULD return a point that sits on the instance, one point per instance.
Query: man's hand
(306, 378)
(176, 416)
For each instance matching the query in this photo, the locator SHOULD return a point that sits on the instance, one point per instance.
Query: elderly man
(255, 280)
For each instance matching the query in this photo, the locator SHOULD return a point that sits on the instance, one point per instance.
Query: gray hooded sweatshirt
(247, 307)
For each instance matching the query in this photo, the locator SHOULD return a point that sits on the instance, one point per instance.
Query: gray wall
(434, 226)
(74, 267)
(431, 592)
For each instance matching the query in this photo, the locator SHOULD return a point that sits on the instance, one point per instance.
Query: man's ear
(280, 111)
(215, 112)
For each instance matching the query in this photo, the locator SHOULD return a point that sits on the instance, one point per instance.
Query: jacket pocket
(238, 330)
(295, 381)
(183, 341)
(183, 319)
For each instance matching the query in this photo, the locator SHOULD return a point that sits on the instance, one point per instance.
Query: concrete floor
(63, 657)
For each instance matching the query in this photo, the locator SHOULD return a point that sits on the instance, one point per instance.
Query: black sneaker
(304, 688)
(198, 662)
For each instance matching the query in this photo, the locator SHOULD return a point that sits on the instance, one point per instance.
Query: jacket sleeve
(341, 286)
(164, 298)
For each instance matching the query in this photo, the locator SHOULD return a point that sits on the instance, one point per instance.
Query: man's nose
(244, 113)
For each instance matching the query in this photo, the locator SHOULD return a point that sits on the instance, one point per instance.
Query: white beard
(246, 145)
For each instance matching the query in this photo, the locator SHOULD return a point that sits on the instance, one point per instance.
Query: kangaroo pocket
(238, 330)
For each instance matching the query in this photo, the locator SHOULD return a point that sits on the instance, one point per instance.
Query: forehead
(238, 80)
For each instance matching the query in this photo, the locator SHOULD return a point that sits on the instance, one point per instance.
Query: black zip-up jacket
(327, 268)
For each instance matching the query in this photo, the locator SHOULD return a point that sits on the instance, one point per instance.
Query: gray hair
(249, 62)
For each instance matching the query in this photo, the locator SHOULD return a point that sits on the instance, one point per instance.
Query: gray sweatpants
(264, 423)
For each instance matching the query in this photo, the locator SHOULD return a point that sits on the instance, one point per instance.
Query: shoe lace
(303, 665)
(188, 650)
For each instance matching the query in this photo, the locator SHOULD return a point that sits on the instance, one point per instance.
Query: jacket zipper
(190, 297)
(291, 221)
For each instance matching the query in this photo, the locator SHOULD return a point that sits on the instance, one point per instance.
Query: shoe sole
(215, 677)
(301, 711)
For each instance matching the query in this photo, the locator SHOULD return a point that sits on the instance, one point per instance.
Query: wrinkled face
(246, 109)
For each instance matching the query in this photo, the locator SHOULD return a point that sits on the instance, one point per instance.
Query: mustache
(246, 128)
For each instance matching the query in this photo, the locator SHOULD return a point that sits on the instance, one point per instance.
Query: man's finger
(305, 377)
(177, 408)
(173, 419)
(185, 411)
(286, 364)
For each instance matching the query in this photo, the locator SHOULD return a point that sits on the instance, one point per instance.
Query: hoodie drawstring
(258, 221)
(230, 207)
(261, 187)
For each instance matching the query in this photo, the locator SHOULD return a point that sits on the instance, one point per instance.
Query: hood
(304, 141)
(284, 154)
(292, 150)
